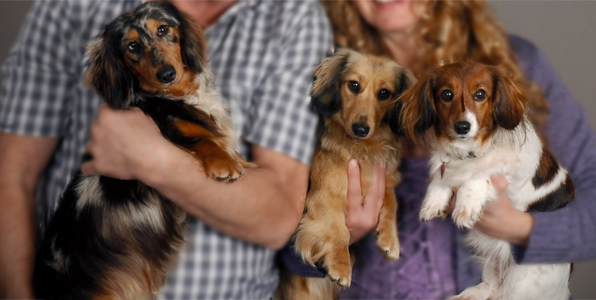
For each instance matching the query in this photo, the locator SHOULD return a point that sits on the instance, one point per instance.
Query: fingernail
(353, 163)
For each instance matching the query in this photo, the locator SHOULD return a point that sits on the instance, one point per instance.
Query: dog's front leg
(387, 238)
(212, 152)
(436, 201)
(323, 236)
(471, 198)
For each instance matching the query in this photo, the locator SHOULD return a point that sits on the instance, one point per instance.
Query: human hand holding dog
(500, 220)
(363, 214)
(125, 144)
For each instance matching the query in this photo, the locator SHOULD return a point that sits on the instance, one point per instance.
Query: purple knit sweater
(434, 262)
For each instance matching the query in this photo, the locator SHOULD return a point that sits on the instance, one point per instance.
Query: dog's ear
(393, 118)
(192, 43)
(404, 80)
(107, 73)
(325, 96)
(509, 102)
(417, 111)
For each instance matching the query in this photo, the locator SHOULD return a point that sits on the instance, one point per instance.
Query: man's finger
(89, 147)
(88, 168)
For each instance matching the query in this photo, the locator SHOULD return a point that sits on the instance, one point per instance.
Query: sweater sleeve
(567, 234)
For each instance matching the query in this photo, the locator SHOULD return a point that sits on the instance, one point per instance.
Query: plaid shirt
(263, 54)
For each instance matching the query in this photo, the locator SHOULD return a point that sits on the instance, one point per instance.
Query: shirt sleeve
(567, 234)
(39, 72)
(280, 117)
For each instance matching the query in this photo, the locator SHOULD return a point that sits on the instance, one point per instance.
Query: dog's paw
(339, 270)
(433, 209)
(224, 169)
(466, 213)
(388, 242)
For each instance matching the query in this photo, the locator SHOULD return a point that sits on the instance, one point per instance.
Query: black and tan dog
(112, 239)
(353, 93)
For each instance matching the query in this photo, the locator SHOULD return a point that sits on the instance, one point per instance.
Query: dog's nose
(166, 74)
(462, 127)
(360, 129)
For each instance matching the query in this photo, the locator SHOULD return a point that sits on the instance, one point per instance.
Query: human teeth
(383, 1)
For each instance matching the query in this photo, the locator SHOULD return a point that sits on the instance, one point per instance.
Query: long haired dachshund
(353, 94)
(478, 127)
(112, 239)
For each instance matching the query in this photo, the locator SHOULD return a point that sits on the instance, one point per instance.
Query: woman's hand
(500, 220)
(363, 214)
(124, 145)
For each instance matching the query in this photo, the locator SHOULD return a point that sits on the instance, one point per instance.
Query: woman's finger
(354, 189)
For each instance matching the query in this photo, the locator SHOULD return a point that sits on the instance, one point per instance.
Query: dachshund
(110, 238)
(474, 116)
(353, 94)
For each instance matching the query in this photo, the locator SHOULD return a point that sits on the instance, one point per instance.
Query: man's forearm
(22, 159)
(261, 207)
(17, 239)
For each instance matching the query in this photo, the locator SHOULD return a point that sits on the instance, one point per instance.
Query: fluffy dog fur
(353, 94)
(112, 239)
(476, 114)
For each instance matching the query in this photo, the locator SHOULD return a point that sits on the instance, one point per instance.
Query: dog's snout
(360, 129)
(462, 127)
(166, 74)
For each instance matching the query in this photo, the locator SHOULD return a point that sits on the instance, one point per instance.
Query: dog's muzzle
(166, 74)
(462, 127)
(360, 129)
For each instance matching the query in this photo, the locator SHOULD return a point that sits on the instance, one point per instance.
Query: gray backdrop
(563, 30)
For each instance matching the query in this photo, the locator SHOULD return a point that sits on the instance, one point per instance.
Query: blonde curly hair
(447, 31)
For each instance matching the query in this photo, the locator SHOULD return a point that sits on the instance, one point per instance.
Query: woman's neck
(400, 46)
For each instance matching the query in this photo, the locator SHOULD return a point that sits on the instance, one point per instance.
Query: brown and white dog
(110, 238)
(478, 127)
(353, 93)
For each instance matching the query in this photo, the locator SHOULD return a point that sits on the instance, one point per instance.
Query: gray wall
(563, 30)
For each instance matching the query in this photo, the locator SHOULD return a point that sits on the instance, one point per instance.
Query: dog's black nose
(166, 74)
(360, 129)
(462, 127)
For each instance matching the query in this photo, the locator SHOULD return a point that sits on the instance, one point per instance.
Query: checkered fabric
(263, 54)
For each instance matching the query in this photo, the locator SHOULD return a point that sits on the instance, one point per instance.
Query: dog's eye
(354, 86)
(480, 95)
(447, 95)
(133, 47)
(383, 94)
(162, 30)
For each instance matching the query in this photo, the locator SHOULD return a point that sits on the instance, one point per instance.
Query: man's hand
(124, 145)
(363, 214)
